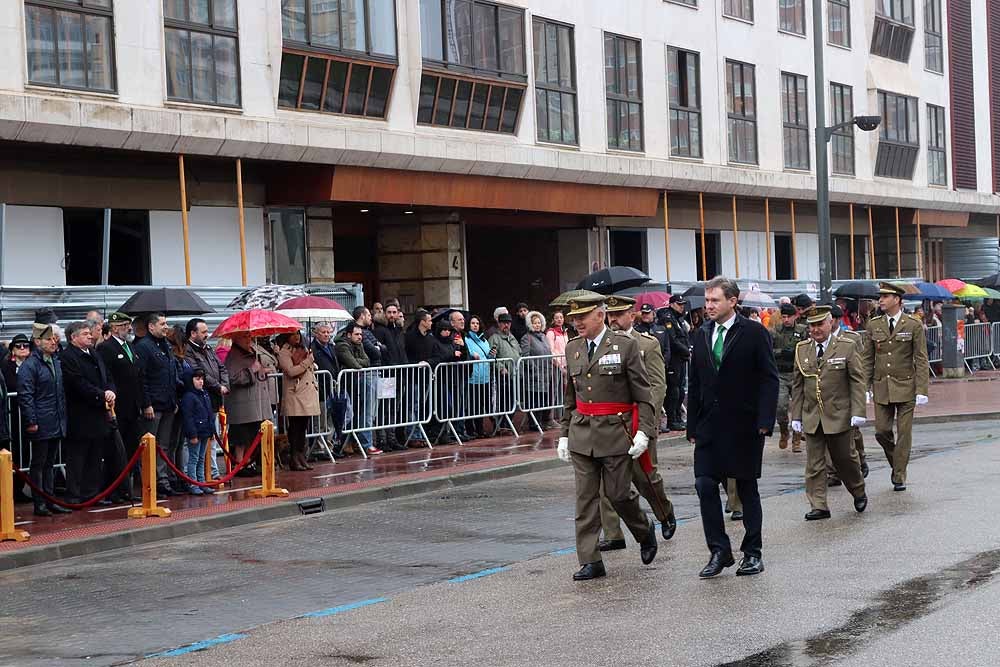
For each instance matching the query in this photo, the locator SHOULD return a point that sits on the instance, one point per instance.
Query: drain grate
(311, 506)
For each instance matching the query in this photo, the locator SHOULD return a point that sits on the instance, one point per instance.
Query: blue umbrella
(930, 291)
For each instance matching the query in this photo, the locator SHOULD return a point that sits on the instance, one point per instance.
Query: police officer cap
(890, 288)
(584, 302)
(836, 311)
(619, 304)
(787, 309)
(803, 301)
(119, 317)
(677, 298)
(647, 308)
(817, 314)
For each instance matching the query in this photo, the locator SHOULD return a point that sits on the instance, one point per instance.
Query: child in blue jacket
(199, 427)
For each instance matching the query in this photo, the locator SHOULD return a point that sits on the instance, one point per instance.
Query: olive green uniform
(857, 438)
(896, 368)
(784, 339)
(599, 445)
(650, 488)
(826, 393)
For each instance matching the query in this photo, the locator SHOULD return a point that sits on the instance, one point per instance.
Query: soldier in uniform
(828, 401)
(784, 337)
(680, 354)
(607, 422)
(837, 313)
(650, 485)
(895, 356)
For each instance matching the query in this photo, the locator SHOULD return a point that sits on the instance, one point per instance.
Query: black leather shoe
(860, 503)
(737, 515)
(864, 468)
(42, 510)
(611, 545)
(717, 563)
(750, 565)
(647, 550)
(56, 509)
(677, 426)
(833, 481)
(167, 492)
(816, 515)
(590, 571)
(898, 487)
(668, 527)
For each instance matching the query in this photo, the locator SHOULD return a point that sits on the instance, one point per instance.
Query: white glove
(868, 397)
(858, 421)
(797, 426)
(562, 450)
(639, 444)
(921, 399)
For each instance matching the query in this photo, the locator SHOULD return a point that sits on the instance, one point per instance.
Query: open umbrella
(166, 300)
(992, 280)
(614, 279)
(991, 293)
(314, 309)
(971, 292)
(909, 289)
(656, 299)
(446, 313)
(756, 299)
(265, 297)
(951, 284)
(256, 323)
(931, 291)
(858, 289)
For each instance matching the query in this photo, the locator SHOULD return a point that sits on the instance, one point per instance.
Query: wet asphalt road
(842, 590)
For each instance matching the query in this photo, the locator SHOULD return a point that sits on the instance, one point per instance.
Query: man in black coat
(89, 393)
(122, 363)
(732, 400)
(680, 354)
(160, 384)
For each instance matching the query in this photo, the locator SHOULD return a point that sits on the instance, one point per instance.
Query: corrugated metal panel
(18, 304)
(967, 259)
(963, 115)
(993, 54)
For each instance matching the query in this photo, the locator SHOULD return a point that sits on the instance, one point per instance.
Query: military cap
(42, 331)
(802, 301)
(817, 314)
(647, 308)
(836, 311)
(787, 309)
(890, 288)
(678, 298)
(619, 304)
(119, 317)
(584, 302)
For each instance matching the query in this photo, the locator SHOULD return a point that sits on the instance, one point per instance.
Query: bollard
(148, 462)
(209, 451)
(267, 489)
(224, 435)
(7, 529)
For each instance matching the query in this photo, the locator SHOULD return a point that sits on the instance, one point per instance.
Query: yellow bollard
(148, 459)
(208, 459)
(268, 488)
(7, 529)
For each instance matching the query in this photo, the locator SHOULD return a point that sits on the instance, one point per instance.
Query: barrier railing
(934, 353)
(21, 446)
(320, 428)
(386, 397)
(461, 394)
(978, 343)
(541, 385)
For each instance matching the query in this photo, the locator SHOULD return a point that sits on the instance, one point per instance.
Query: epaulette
(648, 335)
(802, 342)
(622, 333)
(877, 317)
(914, 318)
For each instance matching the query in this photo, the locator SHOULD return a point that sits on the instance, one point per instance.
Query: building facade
(470, 152)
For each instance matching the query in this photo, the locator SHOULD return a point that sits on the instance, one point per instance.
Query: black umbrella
(446, 314)
(858, 289)
(613, 279)
(166, 300)
(992, 281)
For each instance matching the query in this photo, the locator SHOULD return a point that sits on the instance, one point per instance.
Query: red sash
(608, 409)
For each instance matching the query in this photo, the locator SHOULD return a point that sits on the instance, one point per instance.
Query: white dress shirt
(597, 341)
(728, 324)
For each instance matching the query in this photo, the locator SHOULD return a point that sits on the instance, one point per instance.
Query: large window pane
(378, 96)
(511, 106)
(100, 68)
(175, 9)
(478, 112)
(485, 36)
(623, 74)
(493, 107)
(288, 247)
(431, 41)
(198, 11)
(460, 48)
(178, 64)
(41, 43)
(203, 67)
(70, 35)
(568, 118)
(325, 24)
(224, 14)
(447, 90)
(312, 89)
(293, 20)
(357, 90)
(463, 95)
(226, 71)
(352, 25)
(428, 88)
(291, 74)
(511, 41)
(476, 35)
(554, 82)
(203, 64)
(336, 87)
(383, 27)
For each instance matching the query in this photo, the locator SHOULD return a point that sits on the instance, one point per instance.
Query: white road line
(339, 474)
(22, 523)
(242, 488)
(121, 507)
(436, 458)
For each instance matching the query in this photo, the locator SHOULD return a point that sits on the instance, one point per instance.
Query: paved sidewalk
(356, 480)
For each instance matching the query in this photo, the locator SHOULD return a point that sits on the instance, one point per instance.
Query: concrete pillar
(422, 260)
(951, 358)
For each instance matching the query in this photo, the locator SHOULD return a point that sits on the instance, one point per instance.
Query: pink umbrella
(656, 299)
(951, 284)
(314, 309)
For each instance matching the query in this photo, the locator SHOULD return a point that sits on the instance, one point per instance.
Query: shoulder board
(877, 317)
(647, 335)
(914, 318)
(622, 334)
(802, 342)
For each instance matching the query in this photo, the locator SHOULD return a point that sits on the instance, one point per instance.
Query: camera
(867, 123)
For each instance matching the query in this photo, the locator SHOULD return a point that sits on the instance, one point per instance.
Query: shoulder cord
(819, 393)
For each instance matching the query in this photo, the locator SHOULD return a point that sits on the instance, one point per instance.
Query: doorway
(628, 248)
(128, 251)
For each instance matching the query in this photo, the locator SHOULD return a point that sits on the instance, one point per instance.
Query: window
(842, 141)
(933, 37)
(738, 9)
(70, 44)
(202, 46)
(474, 36)
(684, 89)
(713, 255)
(689, 3)
(937, 173)
(899, 141)
(741, 107)
(795, 121)
(470, 105)
(338, 57)
(892, 35)
(288, 246)
(783, 269)
(628, 248)
(623, 88)
(555, 82)
(839, 22)
(792, 16)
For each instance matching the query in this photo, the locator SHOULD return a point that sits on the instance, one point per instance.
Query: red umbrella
(315, 309)
(656, 299)
(256, 323)
(951, 284)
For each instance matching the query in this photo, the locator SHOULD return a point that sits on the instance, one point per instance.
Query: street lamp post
(823, 134)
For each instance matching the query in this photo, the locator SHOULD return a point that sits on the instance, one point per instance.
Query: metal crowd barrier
(19, 443)
(541, 385)
(320, 427)
(978, 343)
(386, 397)
(459, 395)
(934, 353)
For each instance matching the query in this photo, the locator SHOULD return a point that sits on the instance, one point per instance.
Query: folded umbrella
(256, 323)
(166, 300)
(614, 279)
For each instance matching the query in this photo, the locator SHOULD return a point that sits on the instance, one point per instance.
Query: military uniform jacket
(896, 364)
(784, 341)
(841, 379)
(680, 346)
(652, 358)
(616, 374)
(660, 334)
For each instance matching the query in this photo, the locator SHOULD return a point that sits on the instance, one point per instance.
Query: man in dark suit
(123, 366)
(732, 400)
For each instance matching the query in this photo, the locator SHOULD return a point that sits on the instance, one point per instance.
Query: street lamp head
(867, 123)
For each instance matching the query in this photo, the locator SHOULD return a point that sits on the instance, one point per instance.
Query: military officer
(620, 315)
(837, 313)
(607, 422)
(680, 355)
(895, 356)
(828, 400)
(785, 335)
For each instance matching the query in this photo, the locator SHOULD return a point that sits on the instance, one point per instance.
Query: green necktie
(128, 351)
(717, 347)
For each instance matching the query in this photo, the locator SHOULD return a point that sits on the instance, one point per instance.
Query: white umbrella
(314, 309)
(756, 299)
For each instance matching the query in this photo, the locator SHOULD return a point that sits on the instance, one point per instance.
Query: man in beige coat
(827, 402)
(608, 421)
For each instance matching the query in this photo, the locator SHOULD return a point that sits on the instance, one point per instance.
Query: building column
(422, 260)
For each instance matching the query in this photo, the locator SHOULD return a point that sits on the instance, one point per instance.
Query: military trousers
(733, 502)
(784, 393)
(840, 449)
(614, 474)
(897, 448)
(858, 442)
(650, 488)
